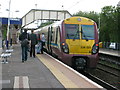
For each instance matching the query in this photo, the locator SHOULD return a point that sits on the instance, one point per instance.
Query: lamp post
(8, 27)
(36, 6)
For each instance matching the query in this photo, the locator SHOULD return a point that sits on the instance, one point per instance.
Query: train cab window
(72, 31)
(87, 32)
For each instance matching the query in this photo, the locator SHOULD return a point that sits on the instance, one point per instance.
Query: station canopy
(38, 14)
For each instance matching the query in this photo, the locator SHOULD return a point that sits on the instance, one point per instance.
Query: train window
(87, 31)
(72, 31)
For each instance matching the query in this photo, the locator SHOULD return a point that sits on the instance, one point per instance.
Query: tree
(118, 23)
(4, 31)
(109, 28)
(45, 24)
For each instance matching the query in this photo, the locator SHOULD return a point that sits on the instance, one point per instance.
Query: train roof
(79, 20)
(74, 19)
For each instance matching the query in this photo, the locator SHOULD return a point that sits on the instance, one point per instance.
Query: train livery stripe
(67, 83)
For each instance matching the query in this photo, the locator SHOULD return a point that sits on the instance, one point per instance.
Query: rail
(99, 81)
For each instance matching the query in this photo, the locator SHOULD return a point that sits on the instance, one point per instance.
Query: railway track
(110, 58)
(105, 75)
(104, 84)
(108, 70)
(109, 64)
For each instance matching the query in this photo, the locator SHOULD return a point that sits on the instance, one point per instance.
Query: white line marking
(25, 82)
(21, 82)
(16, 82)
(4, 81)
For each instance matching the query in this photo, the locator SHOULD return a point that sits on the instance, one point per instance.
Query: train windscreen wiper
(84, 34)
(76, 34)
(67, 35)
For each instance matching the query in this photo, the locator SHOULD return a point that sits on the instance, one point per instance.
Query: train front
(80, 42)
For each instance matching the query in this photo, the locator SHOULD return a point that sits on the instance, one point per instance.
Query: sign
(12, 21)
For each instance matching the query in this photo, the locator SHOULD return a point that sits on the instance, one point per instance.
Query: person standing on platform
(33, 39)
(39, 44)
(24, 44)
(43, 42)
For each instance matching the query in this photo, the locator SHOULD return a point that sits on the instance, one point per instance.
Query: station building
(15, 25)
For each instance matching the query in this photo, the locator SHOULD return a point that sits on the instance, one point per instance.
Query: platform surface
(41, 72)
(110, 52)
(39, 76)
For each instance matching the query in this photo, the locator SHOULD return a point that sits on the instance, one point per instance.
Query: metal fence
(111, 45)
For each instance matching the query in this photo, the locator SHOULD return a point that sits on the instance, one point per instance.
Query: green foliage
(4, 32)
(118, 23)
(45, 24)
(109, 24)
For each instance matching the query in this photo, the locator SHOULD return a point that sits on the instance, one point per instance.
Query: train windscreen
(72, 31)
(87, 32)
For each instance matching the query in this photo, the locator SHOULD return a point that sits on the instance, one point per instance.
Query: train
(74, 41)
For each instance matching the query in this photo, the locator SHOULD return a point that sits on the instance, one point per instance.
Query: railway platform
(109, 52)
(43, 72)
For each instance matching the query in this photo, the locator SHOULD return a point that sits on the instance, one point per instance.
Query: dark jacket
(23, 36)
(33, 39)
(24, 39)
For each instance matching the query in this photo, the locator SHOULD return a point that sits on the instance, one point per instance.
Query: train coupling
(80, 63)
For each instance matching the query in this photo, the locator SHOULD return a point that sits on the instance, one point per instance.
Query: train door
(53, 45)
(58, 38)
(57, 49)
(50, 47)
(49, 39)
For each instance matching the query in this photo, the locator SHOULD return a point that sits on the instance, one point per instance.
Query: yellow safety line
(67, 83)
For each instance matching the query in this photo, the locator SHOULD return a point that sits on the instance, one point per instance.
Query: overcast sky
(72, 6)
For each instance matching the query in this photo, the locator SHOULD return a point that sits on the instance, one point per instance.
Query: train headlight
(65, 48)
(95, 48)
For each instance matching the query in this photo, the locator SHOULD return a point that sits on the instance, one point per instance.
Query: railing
(111, 45)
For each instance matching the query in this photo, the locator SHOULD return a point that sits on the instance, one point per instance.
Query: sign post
(8, 28)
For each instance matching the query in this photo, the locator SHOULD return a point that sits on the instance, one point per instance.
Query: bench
(6, 55)
(9, 50)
